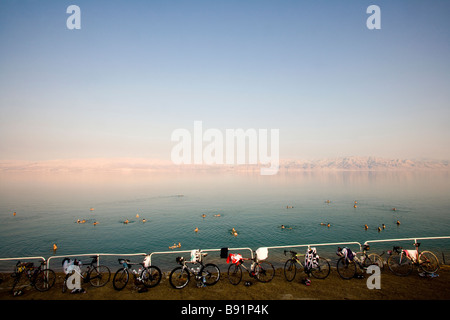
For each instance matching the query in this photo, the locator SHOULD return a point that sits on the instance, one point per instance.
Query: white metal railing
(23, 258)
(317, 245)
(407, 239)
(93, 254)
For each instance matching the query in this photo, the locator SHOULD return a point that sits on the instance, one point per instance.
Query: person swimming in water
(175, 245)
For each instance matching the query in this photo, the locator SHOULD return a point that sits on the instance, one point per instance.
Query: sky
(138, 70)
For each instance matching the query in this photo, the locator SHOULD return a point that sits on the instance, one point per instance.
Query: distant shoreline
(287, 165)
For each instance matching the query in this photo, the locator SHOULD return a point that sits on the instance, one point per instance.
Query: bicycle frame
(128, 266)
(296, 259)
(405, 254)
(252, 266)
(190, 269)
(30, 271)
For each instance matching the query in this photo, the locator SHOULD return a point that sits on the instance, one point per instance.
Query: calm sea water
(47, 207)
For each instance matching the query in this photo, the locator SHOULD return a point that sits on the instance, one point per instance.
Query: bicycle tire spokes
(264, 271)
(151, 276)
(210, 274)
(428, 262)
(179, 277)
(290, 269)
(346, 268)
(234, 274)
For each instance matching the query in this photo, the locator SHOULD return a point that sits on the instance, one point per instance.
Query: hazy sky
(138, 70)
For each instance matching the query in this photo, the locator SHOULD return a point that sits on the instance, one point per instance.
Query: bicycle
(263, 271)
(320, 269)
(149, 276)
(205, 274)
(96, 275)
(401, 261)
(41, 279)
(346, 265)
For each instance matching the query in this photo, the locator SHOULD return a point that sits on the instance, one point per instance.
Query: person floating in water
(55, 247)
(196, 229)
(286, 227)
(398, 222)
(234, 232)
(175, 245)
(126, 221)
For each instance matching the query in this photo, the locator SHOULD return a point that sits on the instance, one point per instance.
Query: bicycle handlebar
(293, 253)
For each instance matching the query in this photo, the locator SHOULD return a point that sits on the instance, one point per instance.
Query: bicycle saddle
(124, 260)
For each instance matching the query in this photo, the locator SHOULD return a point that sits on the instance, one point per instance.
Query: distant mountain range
(363, 163)
(149, 165)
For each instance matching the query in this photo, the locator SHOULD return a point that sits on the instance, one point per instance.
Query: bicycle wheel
(264, 271)
(234, 274)
(400, 265)
(99, 276)
(44, 280)
(374, 259)
(151, 276)
(210, 274)
(120, 279)
(322, 270)
(179, 278)
(290, 270)
(345, 268)
(428, 262)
